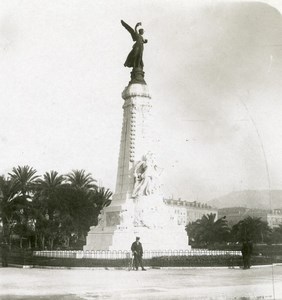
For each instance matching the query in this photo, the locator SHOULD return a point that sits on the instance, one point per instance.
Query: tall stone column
(137, 208)
(136, 138)
(116, 224)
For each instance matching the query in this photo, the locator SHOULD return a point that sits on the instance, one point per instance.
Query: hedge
(156, 262)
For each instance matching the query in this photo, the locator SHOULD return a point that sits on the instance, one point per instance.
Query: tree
(276, 236)
(23, 183)
(8, 208)
(79, 207)
(53, 210)
(47, 207)
(47, 191)
(251, 228)
(100, 198)
(80, 180)
(23, 179)
(50, 181)
(75, 215)
(208, 230)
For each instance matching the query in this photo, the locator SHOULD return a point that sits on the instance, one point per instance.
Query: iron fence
(124, 254)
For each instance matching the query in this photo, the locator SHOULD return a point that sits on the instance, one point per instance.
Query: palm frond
(81, 180)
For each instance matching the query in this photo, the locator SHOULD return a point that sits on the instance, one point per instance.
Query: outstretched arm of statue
(138, 24)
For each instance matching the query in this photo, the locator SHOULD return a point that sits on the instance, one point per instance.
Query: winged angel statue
(135, 57)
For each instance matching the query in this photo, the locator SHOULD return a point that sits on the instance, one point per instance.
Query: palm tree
(251, 228)
(47, 206)
(23, 179)
(100, 198)
(47, 190)
(8, 208)
(80, 180)
(208, 230)
(50, 181)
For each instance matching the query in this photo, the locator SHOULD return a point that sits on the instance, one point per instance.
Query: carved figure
(146, 176)
(112, 218)
(135, 57)
(101, 220)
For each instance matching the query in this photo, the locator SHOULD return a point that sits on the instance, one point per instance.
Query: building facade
(237, 214)
(274, 218)
(186, 212)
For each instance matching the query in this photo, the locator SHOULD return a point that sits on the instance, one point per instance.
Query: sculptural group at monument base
(142, 211)
(146, 176)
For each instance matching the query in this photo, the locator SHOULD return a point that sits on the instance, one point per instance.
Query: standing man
(247, 250)
(137, 251)
(4, 253)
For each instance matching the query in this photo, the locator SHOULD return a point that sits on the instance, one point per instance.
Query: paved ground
(192, 283)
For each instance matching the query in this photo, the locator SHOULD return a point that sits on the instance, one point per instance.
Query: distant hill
(250, 199)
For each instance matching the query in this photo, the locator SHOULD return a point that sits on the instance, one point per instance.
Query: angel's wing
(129, 29)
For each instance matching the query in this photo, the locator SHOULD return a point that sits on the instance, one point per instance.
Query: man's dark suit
(247, 250)
(137, 250)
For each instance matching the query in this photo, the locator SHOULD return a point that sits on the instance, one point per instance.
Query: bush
(196, 261)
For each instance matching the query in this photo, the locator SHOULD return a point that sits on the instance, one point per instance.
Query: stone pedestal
(137, 208)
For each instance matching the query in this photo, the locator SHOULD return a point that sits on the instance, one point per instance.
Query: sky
(214, 71)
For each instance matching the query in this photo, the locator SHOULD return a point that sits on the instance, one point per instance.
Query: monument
(137, 207)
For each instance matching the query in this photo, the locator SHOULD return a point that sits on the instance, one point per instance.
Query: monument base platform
(146, 217)
(151, 239)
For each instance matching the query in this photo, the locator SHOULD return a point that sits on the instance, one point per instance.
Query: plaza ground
(263, 282)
